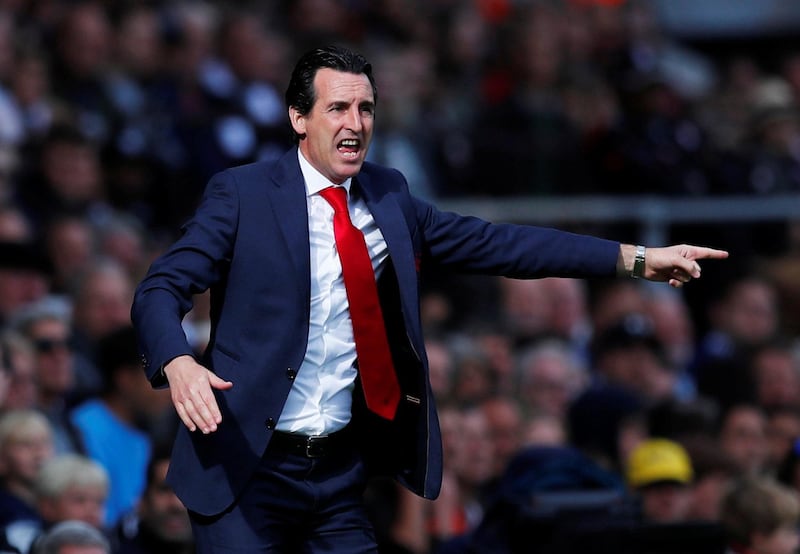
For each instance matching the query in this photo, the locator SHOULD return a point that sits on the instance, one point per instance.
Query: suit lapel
(389, 217)
(290, 209)
(289, 204)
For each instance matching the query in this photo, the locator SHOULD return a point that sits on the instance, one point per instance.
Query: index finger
(709, 253)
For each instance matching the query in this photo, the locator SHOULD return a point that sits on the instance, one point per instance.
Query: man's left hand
(674, 264)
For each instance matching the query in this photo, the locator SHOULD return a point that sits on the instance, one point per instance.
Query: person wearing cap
(660, 472)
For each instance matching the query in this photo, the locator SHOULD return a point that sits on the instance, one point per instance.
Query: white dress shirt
(321, 396)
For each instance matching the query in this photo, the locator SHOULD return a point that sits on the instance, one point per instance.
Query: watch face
(638, 262)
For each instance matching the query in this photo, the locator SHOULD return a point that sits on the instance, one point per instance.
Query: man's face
(82, 502)
(25, 452)
(161, 510)
(54, 358)
(338, 129)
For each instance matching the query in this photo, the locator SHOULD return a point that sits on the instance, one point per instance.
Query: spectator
(160, 523)
(20, 359)
(527, 123)
(544, 430)
(81, 57)
(743, 317)
(506, 422)
(123, 240)
(102, 299)
(71, 486)
(660, 472)
(473, 464)
(72, 537)
(70, 243)
(682, 420)
(31, 85)
(525, 310)
(24, 277)
(611, 301)
(474, 378)
(442, 365)
(114, 427)
(569, 317)
(630, 355)
(447, 518)
(245, 119)
(674, 328)
(468, 450)
(774, 129)
(775, 373)
(14, 225)
(26, 444)
(760, 517)
(606, 422)
(406, 74)
(47, 326)
(743, 436)
(714, 473)
(783, 429)
(67, 179)
(550, 376)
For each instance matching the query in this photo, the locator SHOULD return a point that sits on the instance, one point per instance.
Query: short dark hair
(117, 351)
(300, 93)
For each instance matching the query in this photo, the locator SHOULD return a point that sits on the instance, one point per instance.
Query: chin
(351, 170)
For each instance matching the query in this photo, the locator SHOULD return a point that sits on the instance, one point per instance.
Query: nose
(354, 119)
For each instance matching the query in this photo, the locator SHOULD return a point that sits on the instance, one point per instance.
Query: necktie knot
(336, 197)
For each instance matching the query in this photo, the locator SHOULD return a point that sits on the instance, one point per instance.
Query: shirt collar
(316, 181)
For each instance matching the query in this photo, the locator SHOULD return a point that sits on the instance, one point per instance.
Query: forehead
(333, 85)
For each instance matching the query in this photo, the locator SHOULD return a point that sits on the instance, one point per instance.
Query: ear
(298, 121)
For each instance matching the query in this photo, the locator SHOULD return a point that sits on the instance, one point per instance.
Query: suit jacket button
(270, 423)
(291, 374)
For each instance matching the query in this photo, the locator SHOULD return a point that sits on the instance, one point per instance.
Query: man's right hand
(190, 385)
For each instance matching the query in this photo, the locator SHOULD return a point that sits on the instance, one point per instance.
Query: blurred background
(658, 121)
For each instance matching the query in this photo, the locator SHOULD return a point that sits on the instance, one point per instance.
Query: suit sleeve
(472, 245)
(195, 262)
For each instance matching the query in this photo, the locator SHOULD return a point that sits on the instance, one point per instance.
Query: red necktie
(378, 379)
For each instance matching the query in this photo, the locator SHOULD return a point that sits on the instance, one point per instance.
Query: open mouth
(349, 147)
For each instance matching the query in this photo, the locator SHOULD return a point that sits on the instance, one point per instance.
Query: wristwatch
(638, 262)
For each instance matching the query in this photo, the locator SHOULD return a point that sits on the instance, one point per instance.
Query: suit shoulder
(251, 171)
(246, 178)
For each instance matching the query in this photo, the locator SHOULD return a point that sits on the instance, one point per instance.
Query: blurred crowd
(113, 116)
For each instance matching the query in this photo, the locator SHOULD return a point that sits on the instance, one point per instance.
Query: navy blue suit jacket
(248, 242)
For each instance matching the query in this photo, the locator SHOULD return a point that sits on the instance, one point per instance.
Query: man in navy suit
(277, 443)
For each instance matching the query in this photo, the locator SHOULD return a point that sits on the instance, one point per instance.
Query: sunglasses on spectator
(46, 346)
